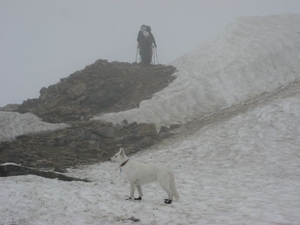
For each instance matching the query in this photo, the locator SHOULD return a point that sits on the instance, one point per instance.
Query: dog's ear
(121, 151)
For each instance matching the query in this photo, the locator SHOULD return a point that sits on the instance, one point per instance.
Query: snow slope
(242, 170)
(13, 124)
(250, 56)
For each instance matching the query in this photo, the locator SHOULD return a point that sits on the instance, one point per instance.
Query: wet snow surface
(244, 169)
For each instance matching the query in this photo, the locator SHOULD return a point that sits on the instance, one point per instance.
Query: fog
(43, 41)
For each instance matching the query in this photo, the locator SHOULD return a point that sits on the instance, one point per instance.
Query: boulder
(145, 129)
(76, 91)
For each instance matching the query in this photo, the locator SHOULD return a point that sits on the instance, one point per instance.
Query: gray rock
(147, 129)
(76, 91)
(10, 107)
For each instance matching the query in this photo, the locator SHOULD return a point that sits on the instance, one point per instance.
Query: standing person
(148, 29)
(141, 35)
(145, 41)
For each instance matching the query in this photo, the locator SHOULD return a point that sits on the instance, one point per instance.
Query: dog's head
(119, 157)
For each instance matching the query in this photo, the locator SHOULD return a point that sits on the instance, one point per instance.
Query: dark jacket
(153, 39)
(141, 39)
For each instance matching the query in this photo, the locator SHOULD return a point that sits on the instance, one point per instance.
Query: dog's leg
(164, 182)
(132, 189)
(170, 199)
(139, 187)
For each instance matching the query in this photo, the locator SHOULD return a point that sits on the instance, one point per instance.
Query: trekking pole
(156, 56)
(136, 53)
(153, 56)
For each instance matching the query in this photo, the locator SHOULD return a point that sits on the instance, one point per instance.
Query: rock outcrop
(99, 88)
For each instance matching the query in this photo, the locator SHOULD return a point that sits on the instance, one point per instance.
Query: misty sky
(43, 41)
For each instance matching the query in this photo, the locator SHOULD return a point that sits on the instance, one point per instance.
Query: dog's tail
(174, 189)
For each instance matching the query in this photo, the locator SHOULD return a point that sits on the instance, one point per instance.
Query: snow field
(242, 171)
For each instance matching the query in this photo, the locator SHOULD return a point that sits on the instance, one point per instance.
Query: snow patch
(13, 124)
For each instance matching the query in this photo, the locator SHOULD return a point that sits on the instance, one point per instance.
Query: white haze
(43, 41)
(241, 168)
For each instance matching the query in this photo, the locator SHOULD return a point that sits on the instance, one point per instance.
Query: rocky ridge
(99, 88)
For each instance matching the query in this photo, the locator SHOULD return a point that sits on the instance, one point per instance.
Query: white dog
(140, 173)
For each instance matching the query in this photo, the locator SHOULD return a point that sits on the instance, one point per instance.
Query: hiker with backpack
(145, 41)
